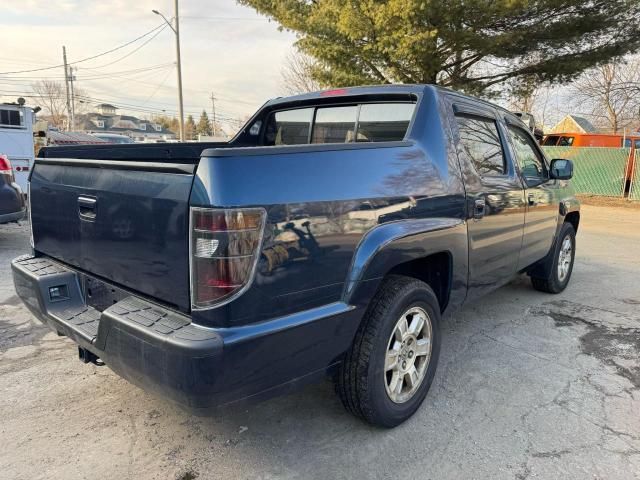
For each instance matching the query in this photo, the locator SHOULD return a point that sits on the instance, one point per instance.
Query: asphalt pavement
(529, 385)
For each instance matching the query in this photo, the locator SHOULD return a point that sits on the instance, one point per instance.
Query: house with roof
(106, 120)
(574, 124)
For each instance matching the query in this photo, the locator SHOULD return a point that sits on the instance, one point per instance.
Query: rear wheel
(557, 272)
(388, 370)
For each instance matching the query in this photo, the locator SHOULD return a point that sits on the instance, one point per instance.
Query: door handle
(531, 199)
(478, 208)
(87, 208)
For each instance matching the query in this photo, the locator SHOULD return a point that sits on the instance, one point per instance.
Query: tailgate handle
(87, 208)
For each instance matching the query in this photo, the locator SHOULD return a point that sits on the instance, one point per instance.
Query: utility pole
(73, 99)
(213, 115)
(66, 82)
(176, 30)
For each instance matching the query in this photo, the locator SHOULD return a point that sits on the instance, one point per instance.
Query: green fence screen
(597, 170)
(634, 193)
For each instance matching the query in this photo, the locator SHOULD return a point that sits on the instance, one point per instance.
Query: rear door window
(480, 141)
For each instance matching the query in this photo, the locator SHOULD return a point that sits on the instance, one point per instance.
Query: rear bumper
(161, 351)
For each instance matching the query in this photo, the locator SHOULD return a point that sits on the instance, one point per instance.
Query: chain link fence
(634, 192)
(597, 170)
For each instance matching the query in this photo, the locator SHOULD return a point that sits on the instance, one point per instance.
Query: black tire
(549, 280)
(361, 382)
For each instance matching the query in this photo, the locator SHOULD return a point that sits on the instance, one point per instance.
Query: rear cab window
(362, 122)
(289, 127)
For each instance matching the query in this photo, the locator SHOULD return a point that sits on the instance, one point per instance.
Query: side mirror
(561, 169)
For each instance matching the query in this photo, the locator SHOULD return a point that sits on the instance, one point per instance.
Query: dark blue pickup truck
(329, 237)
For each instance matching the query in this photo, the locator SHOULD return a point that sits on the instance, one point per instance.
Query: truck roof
(416, 89)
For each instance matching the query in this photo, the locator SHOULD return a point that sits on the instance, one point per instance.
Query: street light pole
(176, 30)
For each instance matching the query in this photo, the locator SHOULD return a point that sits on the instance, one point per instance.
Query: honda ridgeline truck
(329, 237)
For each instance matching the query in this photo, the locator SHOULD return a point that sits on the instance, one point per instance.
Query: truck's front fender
(389, 245)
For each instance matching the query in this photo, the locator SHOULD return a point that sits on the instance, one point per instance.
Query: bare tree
(607, 94)
(296, 74)
(52, 98)
(530, 98)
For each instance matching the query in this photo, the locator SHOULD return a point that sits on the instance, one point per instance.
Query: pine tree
(204, 126)
(470, 45)
(190, 128)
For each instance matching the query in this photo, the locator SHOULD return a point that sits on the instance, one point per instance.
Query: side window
(384, 122)
(531, 163)
(480, 140)
(565, 141)
(289, 127)
(334, 125)
(11, 118)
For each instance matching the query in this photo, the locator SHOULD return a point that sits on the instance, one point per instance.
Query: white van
(16, 140)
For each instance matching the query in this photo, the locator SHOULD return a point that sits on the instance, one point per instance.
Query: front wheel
(557, 273)
(388, 370)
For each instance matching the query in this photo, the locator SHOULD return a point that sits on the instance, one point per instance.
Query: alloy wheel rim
(408, 354)
(564, 258)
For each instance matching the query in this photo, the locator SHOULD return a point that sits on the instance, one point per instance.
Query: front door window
(532, 166)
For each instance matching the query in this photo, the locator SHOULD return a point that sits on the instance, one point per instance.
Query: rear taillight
(225, 245)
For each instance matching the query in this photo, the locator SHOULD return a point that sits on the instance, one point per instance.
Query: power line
(158, 87)
(135, 108)
(118, 100)
(132, 51)
(88, 58)
(97, 75)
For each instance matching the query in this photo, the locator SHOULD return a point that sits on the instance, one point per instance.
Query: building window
(158, 128)
(99, 123)
(143, 126)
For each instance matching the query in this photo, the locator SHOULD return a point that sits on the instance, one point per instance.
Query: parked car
(331, 236)
(113, 138)
(12, 203)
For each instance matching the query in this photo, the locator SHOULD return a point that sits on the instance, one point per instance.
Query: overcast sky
(226, 49)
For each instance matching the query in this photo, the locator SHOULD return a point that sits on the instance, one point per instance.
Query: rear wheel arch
(433, 251)
(435, 270)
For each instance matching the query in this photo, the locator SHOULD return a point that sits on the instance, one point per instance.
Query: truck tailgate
(124, 222)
